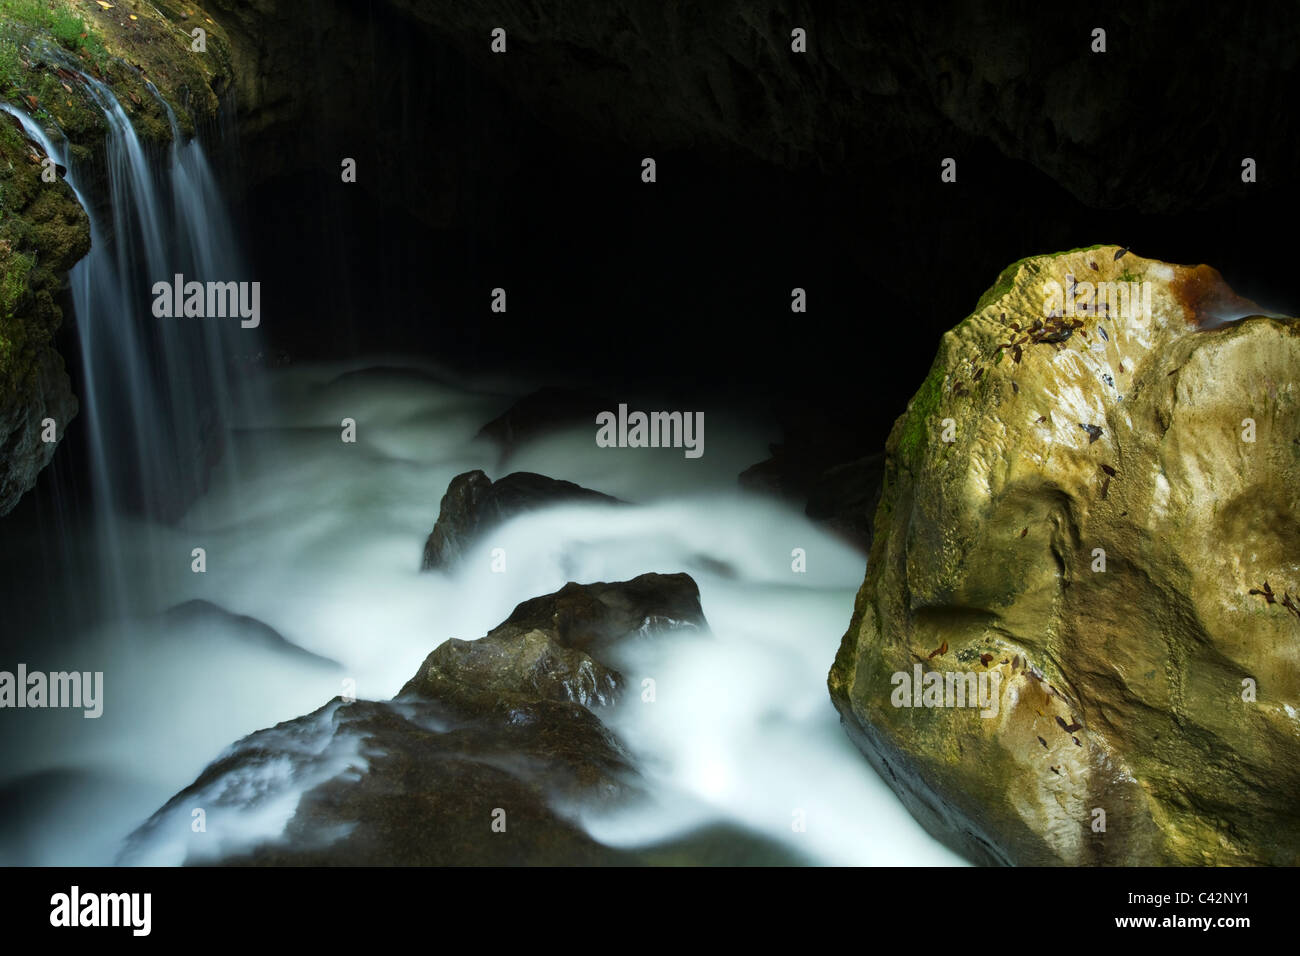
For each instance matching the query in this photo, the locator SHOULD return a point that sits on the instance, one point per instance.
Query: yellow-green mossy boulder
(1092, 505)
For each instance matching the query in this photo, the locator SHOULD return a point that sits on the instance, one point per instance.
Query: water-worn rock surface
(1113, 529)
(504, 729)
(830, 469)
(474, 504)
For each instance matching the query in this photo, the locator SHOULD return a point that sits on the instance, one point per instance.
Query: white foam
(322, 541)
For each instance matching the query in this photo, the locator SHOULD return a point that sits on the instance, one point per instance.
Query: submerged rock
(198, 614)
(828, 468)
(542, 412)
(845, 498)
(1096, 513)
(475, 504)
(542, 649)
(503, 730)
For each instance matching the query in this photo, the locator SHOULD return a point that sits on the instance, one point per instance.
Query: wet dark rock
(828, 468)
(506, 723)
(810, 445)
(587, 618)
(542, 412)
(23, 452)
(712, 565)
(502, 667)
(845, 497)
(475, 504)
(425, 788)
(241, 627)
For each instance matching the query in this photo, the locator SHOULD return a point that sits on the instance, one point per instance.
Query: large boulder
(506, 728)
(474, 504)
(1100, 510)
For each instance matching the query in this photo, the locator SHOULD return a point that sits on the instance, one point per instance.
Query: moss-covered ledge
(130, 46)
(43, 232)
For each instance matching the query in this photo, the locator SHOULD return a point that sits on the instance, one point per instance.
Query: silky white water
(310, 550)
(153, 394)
(321, 540)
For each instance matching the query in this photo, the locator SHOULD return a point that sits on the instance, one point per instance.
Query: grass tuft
(19, 19)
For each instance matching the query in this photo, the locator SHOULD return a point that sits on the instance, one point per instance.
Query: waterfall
(156, 393)
(319, 544)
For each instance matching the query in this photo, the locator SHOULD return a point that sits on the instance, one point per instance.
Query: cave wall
(776, 170)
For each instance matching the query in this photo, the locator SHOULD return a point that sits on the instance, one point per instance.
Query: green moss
(127, 54)
(1002, 285)
(13, 282)
(1067, 252)
(54, 18)
(920, 410)
(43, 229)
(43, 232)
(10, 62)
(28, 28)
(16, 339)
(925, 402)
(886, 505)
(1007, 277)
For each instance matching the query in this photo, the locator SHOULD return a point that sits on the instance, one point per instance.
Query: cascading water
(155, 392)
(321, 541)
(206, 248)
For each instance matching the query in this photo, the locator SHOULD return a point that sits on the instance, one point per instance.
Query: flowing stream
(312, 577)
